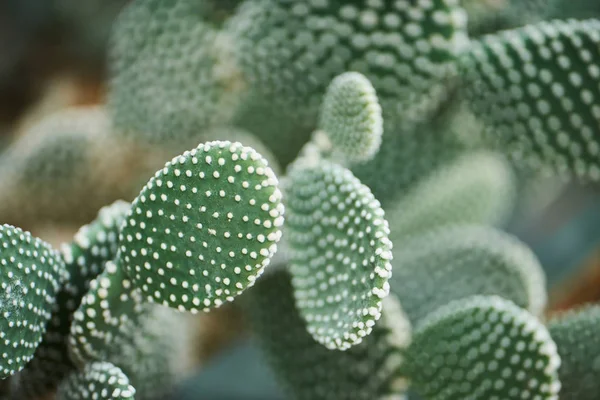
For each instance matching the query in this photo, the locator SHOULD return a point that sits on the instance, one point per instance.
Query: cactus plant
(387, 118)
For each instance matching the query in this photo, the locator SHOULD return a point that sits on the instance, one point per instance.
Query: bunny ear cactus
(457, 262)
(576, 335)
(170, 73)
(537, 88)
(99, 380)
(351, 118)
(478, 187)
(93, 246)
(340, 253)
(209, 221)
(291, 51)
(310, 371)
(483, 347)
(32, 273)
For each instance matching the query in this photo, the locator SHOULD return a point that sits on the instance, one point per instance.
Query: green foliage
(340, 253)
(99, 380)
(308, 370)
(536, 88)
(483, 347)
(351, 118)
(32, 273)
(476, 188)
(93, 246)
(210, 250)
(461, 261)
(576, 335)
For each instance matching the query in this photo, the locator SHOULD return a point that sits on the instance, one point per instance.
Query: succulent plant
(391, 126)
(99, 380)
(575, 335)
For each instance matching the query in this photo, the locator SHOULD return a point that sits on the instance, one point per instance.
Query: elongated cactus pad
(99, 380)
(458, 262)
(476, 188)
(291, 51)
(351, 118)
(108, 313)
(537, 89)
(171, 75)
(32, 273)
(482, 348)
(85, 257)
(203, 228)
(576, 336)
(308, 370)
(340, 253)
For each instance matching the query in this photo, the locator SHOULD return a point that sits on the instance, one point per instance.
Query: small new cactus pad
(94, 245)
(32, 273)
(309, 371)
(98, 381)
(340, 253)
(351, 118)
(108, 313)
(482, 348)
(203, 228)
(457, 262)
(475, 188)
(576, 336)
(537, 89)
(291, 51)
(170, 73)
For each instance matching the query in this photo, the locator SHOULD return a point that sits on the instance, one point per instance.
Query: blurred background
(53, 56)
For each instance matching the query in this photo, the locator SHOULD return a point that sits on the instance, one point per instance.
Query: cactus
(482, 347)
(536, 89)
(99, 380)
(307, 369)
(457, 262)
(93, 245)
(32, 273)
(337, 234)
(575, 335)
(388, 122)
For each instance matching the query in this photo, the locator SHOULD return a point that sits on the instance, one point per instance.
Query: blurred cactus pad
(342, 171)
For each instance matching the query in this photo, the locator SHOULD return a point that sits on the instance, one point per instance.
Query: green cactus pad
(482, 348)
(98, 380)
(170, 73)
(203, 228)
(291, 51)
(457, 262)
(340, 253)
(476, 188)
(94, 245)
(537, 89)
(108, 313)
(32, 273)
(351, 118)
(309, 371)
(576, 336)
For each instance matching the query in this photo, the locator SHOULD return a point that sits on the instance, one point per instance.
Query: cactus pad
(482, 347)
(576, 335)
(537, 89)
(340, 253)
(457, 262)
(32, 273)
(99, 381)
(351, 118)
(309, 371)
(203, 228)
